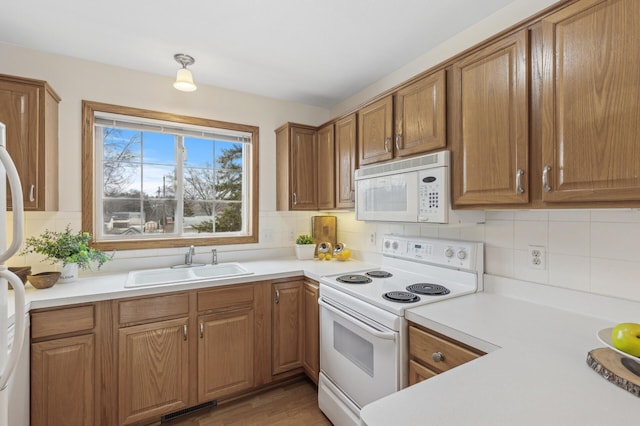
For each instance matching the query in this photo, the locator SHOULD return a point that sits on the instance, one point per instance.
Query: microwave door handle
(360, 321)
(19, 324)
(17, 204)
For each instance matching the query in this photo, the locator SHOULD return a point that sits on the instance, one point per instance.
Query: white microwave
(411, 190)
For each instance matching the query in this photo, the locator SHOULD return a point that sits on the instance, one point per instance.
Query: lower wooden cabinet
(66, 374)
(431, 353)
(153, 370)
(225, 353)
(287, 326)
(62, 376)
(131, 361)
(311, 359)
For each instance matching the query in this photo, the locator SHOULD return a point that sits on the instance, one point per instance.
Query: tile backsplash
(596, 251)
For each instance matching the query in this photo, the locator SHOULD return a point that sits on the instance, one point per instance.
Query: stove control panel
(458, 254)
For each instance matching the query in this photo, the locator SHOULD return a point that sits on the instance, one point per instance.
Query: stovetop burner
(428, 289)
(401, 297)
(379, 274)
(354, 279)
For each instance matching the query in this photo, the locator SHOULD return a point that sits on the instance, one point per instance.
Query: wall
(74, 80)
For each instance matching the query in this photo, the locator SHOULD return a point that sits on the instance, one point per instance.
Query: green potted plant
(68, 249)
(305, 247)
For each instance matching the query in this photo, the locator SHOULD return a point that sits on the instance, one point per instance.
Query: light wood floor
(292, 404)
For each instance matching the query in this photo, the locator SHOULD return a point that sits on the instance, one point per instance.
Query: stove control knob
(448, 252)
(461, 254)
(387, 244)
(437, 357)
(394, 245)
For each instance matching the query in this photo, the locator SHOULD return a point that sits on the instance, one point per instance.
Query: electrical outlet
(292, 236)
(372, 238)
(537, 257)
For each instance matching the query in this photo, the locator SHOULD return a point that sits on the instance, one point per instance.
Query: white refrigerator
(10, 348)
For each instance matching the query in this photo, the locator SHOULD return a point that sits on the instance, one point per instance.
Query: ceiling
(317, 52)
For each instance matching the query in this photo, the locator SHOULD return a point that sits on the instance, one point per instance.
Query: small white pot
(305, 251)
(68, 273)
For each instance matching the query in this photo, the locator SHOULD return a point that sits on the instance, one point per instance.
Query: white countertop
(97, 287)
(534, 373)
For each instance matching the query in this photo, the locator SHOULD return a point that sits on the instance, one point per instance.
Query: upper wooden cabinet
(590, 109)
(326, 168)
(297, 172)
(375, 131)
(29, 109)
(346, 161)
(489, 124)
(420, 116)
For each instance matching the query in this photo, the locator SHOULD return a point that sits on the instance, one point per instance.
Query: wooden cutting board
(615, 368)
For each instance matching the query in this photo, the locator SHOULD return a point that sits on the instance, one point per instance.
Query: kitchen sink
(149, 277)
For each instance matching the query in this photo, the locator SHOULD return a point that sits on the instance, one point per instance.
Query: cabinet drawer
(225, 297)
(153, 308)
(418, 373)
(62, 321)
(422, 346)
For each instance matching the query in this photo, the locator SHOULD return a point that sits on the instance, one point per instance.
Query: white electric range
(363, 332)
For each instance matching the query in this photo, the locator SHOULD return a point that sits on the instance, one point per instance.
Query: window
(163, 180)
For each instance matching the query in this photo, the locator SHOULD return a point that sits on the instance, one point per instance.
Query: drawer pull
(437, 357)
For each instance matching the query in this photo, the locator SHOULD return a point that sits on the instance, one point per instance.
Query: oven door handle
(362, 322)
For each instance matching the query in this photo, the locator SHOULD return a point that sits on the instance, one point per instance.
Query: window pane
(158, 148)
(229, 185)
(120, 178)
(228, 217)
(198, 216)
(122, 216)
(158, 181)
(121, 145)
(159, 216)
(228, 155)
(199, 152)
(198, 184)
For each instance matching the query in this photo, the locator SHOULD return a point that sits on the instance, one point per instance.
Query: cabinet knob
(184, 332)
(277, 296)
(32, 189)
(398, 139)
(519, 188)
(201, 330)
(437, 357)
(295, 198)
(545, 178)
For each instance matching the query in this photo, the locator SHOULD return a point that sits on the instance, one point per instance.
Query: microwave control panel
(433, 195)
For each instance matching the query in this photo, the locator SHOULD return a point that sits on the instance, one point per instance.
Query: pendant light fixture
(184, 79)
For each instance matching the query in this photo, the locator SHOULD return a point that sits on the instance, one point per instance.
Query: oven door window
(353, 347)
(362, 362)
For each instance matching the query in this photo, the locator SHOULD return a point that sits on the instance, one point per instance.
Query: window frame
(89, 109)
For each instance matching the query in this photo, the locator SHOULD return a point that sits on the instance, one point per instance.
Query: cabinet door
(303, 169)
(345, 162)
(225, 353)
(590, 94)
(375, 129)
(326, 169)
(489, 120)
(418, 373)
(311, 361)
(287, 311)
(153, 370)
(19, 112)
(62, 380)
(420, 116)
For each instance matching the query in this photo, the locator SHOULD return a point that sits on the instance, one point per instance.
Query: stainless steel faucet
(188, 258)
(214, 257)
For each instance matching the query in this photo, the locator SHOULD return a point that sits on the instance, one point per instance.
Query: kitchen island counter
(534, 373)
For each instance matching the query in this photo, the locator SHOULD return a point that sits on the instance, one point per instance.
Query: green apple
(626, 337)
